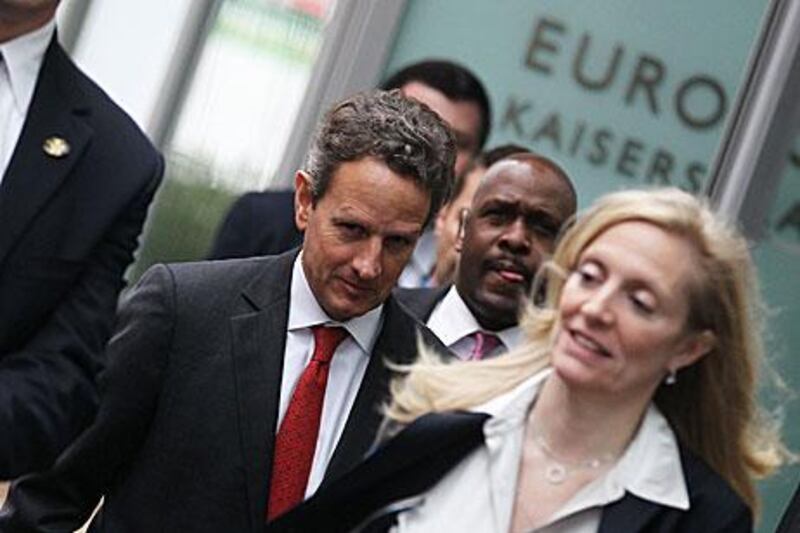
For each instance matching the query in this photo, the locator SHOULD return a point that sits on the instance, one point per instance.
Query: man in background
(458, 96)
(448, 221)
(234, 388)
(76, 178)
(508, 232)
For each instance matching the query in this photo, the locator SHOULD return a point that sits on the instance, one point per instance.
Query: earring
(671, 378)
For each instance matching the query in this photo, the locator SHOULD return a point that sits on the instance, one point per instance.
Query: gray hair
(402, 133)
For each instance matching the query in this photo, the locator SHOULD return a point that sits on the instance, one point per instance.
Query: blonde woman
(631, 408)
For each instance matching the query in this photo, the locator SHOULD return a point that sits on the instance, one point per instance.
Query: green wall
(626, 93)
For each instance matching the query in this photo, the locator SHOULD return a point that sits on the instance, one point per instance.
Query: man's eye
(351, 230)
(497, 216)
(545, 229)
(398, 243)
(464, 143)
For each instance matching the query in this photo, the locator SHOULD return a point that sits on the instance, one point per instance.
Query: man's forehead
(408, 222)
(532, 179)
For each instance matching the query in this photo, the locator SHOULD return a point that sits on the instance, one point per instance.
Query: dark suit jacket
(184, 437)
(258, 223)
(790, 522)
(421, 302)
(68, 229)
(368, 497)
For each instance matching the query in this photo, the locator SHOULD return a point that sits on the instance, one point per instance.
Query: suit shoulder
(105, 115)
(709, 493)
(263, 204)
(272, 197)
(405, 293)
(403, 328)
(419, 302)
(224, 271)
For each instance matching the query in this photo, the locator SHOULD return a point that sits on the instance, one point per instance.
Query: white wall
(126, 48)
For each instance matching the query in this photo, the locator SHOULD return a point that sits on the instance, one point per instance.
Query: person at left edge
(209, 358)
(76, 178)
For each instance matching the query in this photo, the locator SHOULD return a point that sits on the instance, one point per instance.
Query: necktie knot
(326, 340)
(485, 343)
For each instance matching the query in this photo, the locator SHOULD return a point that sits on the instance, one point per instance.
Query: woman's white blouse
(478, 494)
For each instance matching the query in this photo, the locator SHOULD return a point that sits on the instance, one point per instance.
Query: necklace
(558, 469)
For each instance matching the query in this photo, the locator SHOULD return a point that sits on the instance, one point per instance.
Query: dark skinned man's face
(511, 229)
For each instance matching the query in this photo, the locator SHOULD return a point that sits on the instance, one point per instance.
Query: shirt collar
(452, 320)
(651, 466)
(305, 312)
(510, 409)
(22, 57)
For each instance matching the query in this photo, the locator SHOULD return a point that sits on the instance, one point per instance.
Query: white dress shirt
(346, 368)
(452, 322)
(478, 495)
(19, 69)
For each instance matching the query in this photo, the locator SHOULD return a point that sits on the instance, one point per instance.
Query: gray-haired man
(216, 414)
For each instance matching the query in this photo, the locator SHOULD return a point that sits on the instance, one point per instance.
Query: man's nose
(367, 262)
(517, 236)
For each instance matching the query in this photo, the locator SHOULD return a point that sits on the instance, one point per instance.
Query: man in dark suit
(261, 223)
(235, 388)
(76, 178)
(448, 222)
(508, 231)
(790, 522)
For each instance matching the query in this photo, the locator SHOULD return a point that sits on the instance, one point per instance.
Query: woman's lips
(586, 342)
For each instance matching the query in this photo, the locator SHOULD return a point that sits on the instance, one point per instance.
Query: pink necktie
(484, 344)
(297, 436)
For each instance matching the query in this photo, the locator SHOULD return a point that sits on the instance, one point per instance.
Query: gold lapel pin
(56, 147)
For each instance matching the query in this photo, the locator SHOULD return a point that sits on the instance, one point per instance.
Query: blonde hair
(712, 408)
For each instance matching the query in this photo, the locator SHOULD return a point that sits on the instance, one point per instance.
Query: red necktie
(297, 436)
(484, 344)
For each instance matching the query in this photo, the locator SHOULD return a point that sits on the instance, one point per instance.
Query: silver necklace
(559, 469)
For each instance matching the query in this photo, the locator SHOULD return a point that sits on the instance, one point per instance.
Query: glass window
(778, 261)
(621, 93)
(234, 124)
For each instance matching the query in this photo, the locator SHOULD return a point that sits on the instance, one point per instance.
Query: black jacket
(185, 433)
(368, 497)
(68, 229)
(258, 223)
(421, 302)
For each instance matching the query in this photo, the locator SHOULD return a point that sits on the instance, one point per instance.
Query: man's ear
(440, 221)
(695, 347)
(463, 216)
(303, 204)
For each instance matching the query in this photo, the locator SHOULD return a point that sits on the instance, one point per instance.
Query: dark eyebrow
(338, 219)
(463, 139)
(528, 212)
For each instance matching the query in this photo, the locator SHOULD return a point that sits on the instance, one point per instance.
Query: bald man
(508, 232)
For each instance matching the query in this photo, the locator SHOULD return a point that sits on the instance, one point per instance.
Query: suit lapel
(259, 338)
(396, 343)
(420, 303)
(393, 475)
(32, 175)
(630, 514)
